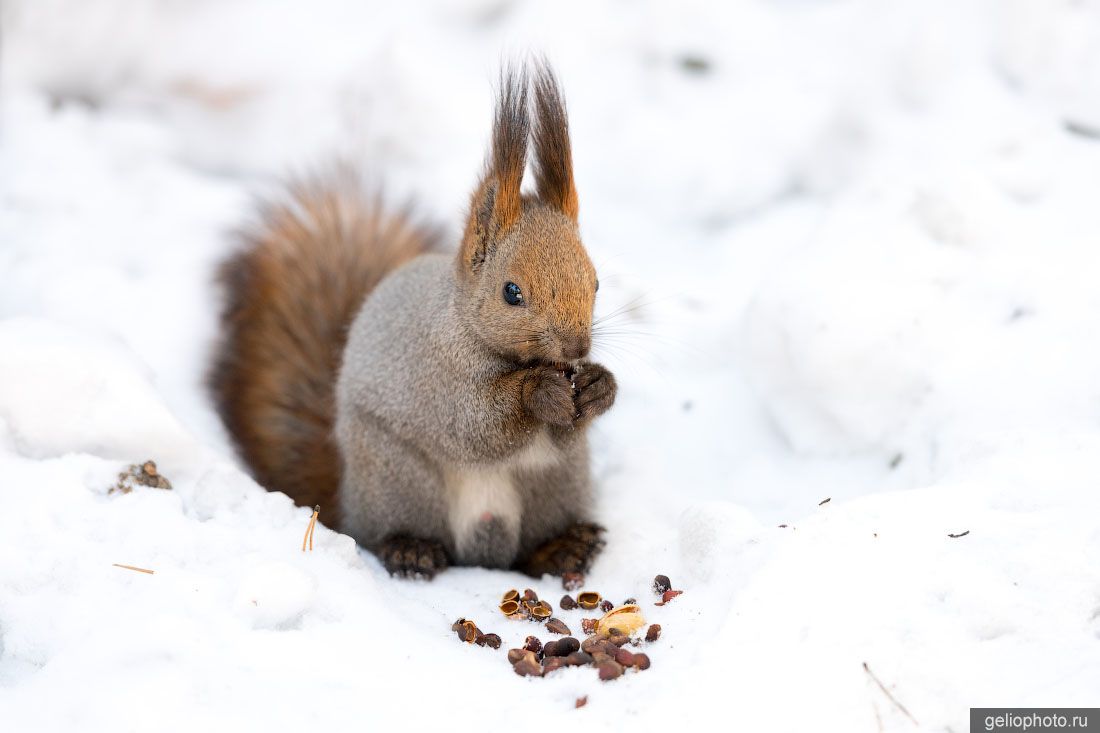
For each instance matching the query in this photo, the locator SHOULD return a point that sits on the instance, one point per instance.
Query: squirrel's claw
(412, 557)
(573, 551)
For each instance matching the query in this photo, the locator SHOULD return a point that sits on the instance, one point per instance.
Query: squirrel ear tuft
(553, 155)
(498, 203)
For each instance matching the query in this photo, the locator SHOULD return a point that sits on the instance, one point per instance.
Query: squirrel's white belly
(483, 493)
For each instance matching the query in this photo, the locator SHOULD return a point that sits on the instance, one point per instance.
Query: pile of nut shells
(606, 638)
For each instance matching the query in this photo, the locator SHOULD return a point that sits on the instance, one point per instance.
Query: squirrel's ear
(497, 202)
(553, 156)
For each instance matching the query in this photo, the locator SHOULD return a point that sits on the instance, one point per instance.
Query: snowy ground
(864, 236)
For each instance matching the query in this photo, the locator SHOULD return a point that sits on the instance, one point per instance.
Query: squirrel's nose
(575, 347)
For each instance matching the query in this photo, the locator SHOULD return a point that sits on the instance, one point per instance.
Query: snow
(853, 245)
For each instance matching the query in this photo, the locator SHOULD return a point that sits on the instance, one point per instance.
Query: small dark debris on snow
(960, 534)
(1082, 129)
(825, 501)
(140, 474)
(581, 702)
(692, 63)
(896, 460)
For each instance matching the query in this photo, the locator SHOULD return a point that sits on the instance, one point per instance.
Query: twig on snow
(309, 530)
(131, 567)
(886, 692)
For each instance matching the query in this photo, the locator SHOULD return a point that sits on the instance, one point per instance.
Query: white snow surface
(859, 246)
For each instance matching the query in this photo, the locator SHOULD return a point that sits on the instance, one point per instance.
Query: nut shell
(627, 619)
(588, 600)
(490, 640)
(567, 603)
(556, 626)
(653, 633)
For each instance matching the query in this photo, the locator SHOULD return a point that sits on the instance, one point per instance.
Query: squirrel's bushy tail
(291, 294)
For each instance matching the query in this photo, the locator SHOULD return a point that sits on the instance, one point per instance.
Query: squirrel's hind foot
(412, 557)
(573, 551)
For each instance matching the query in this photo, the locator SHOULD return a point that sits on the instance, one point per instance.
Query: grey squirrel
(435, 405)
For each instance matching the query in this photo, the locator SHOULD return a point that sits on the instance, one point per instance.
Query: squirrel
(435, 404)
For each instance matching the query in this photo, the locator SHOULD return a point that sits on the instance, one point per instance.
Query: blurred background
(853, 247)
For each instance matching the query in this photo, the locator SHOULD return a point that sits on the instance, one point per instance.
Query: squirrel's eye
(512, 294)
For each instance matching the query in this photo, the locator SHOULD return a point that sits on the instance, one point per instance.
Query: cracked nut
(588, 600)
(653, 633)
(661, 584)
(567, 603)
(626, 619)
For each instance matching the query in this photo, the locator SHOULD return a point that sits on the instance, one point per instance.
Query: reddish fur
(292, 292)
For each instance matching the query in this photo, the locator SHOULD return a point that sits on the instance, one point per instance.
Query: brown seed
(512, 595)
(567, 603)
(509, 608)
(606, 605)
(624, 657)
(618, 639)
(490, 640)
(610, 670)
(528, 666)
(667, 596)
(661, 583)
(550, 649)
(653, 633)
(641, 661)
(514, 655)
(578, 659)
(595, 644)
(599, 658)
(581, 702)
(566, 645)
(532, 644)
(549, 664)
(555, 626)
(529, 596)
(572, 581)
(588, 600)
(588, 625)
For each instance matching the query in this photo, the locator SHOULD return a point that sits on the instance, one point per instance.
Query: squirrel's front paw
(412, 557)
(548, 396)
(595, 391)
